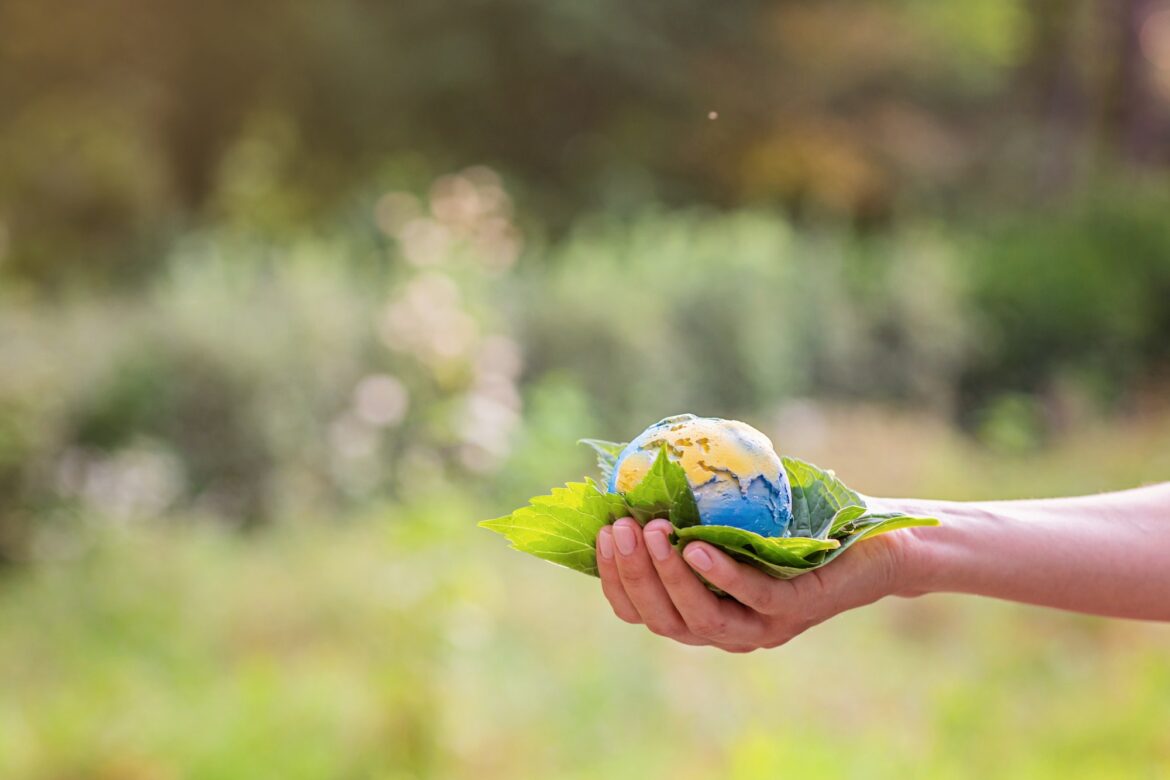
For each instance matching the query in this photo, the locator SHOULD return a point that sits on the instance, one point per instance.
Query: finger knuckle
(628, 617)
(673, 579)
(766, 601)
(668, 630)
(634, 575)
(711, 627)
(761, 599)
(776, 641)
(731, 581)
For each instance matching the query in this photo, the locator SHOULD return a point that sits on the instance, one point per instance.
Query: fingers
(642, 586)
(646, 581)
(611, 584)
(705, 614)
(750, 587)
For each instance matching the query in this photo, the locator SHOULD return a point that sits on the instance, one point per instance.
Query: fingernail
(657, 544)
(698, 557)
(605, 544)
(624, 536)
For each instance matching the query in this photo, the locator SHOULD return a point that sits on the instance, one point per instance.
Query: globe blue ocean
(732, 468)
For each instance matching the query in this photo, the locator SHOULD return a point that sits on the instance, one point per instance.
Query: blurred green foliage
(1079, 294)
(124, 125)
(253, 376)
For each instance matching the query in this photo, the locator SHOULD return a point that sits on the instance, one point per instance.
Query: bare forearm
(1106, 554)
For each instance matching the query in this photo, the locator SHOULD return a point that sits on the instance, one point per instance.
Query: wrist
(918, 567)
(924, 557)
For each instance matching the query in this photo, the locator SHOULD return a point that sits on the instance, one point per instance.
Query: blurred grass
(406, 643)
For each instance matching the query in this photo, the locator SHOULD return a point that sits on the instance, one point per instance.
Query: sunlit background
(292, 294)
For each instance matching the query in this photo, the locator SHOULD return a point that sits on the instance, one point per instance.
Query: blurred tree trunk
(1055, 84)
(1137, 124)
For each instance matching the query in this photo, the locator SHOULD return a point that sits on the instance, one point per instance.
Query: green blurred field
(408, 643)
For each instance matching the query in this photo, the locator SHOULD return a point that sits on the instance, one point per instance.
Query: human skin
(1106, 554)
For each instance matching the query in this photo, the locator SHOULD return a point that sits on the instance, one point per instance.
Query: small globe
(734, 471)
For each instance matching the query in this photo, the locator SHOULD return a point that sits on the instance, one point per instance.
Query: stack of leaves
(827, 518)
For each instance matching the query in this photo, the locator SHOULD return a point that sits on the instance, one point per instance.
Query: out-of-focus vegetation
(254, 380)
(402, 644)
(126, 123)
(291, 295)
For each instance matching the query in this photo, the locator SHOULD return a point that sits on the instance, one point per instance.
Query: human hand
(646, 581)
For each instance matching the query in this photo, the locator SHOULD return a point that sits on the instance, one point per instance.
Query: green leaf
(844, 517)
(664, 492)
(785, 551)
(771, 569)
(562, 527)
(817, 497)
(607, 455)
(828, 518)
(872, 525)
(895, 521)
(879, 523)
